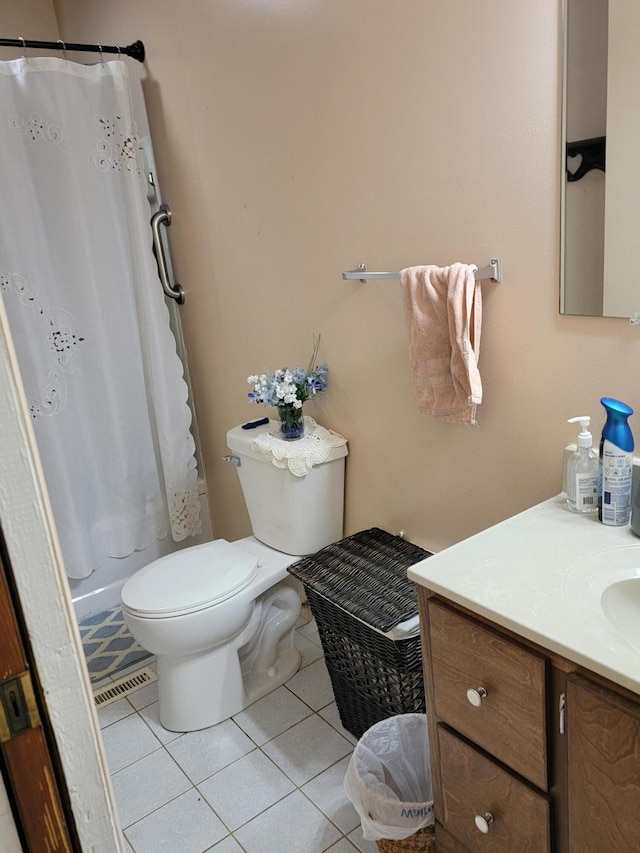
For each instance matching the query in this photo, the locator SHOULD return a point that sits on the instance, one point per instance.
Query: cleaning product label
(586, 497)
(617, 472)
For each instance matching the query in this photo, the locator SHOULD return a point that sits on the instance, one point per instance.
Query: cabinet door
(487, 808)
(508, 683)
(446, 843)
(603, 732)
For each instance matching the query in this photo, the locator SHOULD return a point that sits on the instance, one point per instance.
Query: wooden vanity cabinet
(529, 754)
(603, 731)
(487, 705)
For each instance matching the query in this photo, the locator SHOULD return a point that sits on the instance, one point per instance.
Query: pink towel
(443, 313)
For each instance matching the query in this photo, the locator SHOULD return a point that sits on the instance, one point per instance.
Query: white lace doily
(299, 456)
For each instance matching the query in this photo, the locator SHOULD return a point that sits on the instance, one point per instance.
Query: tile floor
(269, 780)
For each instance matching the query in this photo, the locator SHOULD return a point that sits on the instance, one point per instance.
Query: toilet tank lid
(191, 579)
(240, 440)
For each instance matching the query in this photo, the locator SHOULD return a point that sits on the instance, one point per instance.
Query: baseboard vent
(123, 686)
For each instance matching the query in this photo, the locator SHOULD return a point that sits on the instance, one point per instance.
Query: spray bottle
(615, 464)
(582, 471)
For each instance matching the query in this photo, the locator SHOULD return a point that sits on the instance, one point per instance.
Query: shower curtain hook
(24, 47)
(64, 49)
(100, 52)
(119, 51)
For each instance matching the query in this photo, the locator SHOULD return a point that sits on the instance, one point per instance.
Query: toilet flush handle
(235, 460)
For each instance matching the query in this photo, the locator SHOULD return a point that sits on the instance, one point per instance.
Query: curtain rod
(135, 50)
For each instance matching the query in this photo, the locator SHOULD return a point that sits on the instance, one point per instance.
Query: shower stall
(101, 590)
(99, 345)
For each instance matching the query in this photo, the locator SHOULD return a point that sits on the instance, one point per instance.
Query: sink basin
(621, 605)
(608, 582)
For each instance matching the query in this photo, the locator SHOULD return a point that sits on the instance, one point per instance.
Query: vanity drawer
(474, 788)
(490, 689)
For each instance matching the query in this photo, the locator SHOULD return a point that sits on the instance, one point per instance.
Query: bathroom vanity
(531, 637)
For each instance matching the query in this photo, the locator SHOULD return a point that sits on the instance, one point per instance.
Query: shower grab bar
(163, 216)
(493, 272)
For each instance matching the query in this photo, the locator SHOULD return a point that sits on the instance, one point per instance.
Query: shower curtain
(79, 281)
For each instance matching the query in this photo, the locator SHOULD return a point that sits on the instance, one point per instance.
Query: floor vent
(123, 686)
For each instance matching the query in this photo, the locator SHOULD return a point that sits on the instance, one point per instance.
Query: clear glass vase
(291, 422)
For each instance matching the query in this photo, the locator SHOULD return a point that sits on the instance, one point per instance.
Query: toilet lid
(189, 580)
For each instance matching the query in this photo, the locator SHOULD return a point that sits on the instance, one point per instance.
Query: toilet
(220, 617)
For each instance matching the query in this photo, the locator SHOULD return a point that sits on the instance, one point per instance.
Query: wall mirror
(601, 174)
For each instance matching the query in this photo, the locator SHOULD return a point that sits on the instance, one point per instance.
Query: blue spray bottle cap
(616, 429)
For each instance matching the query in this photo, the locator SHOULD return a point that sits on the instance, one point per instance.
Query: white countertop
(541, 574)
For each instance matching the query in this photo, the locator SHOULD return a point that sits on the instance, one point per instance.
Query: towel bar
(491, 272)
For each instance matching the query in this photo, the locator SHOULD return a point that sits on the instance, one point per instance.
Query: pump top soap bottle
(615, 464)
(582, 471)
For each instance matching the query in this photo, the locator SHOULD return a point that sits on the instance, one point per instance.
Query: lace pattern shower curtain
(79, 282)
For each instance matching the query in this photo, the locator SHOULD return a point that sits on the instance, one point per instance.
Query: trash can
(388, 780)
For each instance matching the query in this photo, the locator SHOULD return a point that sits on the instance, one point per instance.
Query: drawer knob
(483, 822)
(476, 696)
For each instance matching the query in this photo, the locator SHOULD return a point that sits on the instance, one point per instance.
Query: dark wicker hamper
(358, 590)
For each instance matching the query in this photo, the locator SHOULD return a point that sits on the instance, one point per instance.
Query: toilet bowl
(220, 617)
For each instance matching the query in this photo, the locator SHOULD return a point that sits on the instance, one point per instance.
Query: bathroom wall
(296, 139)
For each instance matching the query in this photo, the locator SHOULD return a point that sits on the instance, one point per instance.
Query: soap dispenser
(582, 471)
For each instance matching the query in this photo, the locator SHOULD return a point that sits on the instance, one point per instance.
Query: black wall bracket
(592, 154)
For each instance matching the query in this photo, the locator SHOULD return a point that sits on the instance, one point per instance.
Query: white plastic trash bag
(388, 779)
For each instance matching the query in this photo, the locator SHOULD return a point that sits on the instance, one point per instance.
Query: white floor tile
(245, 788)
(313, 685)
(305, 614)
(186, 824)
(229, 845)
(147, 785)
(113, 712)
(308, 651)
(326, 791)
(343, 846)
(310, 631)
(362, 844)
(273, 714)
(149, 714)
(144, 696)
(307, 749)
(301, 828)
(200, 754)
(332, 716)
(241, 789)
(128, 740)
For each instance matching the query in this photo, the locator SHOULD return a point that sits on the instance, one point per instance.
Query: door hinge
(18, 708)
(562, 709)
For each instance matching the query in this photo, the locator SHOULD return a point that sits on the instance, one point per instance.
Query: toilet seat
(176, 584)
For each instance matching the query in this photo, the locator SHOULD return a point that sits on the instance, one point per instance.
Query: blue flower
(290, 387)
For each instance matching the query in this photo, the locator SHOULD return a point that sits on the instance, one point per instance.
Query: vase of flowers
(287, 389)
(291, 422)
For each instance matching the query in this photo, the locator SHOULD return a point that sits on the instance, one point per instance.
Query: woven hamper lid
(366, 575)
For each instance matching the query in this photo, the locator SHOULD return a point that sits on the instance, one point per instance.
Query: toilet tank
(295, 515)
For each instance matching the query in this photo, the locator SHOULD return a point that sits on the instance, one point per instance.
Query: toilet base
(189, 701)
(258, 684)
(204, 689)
